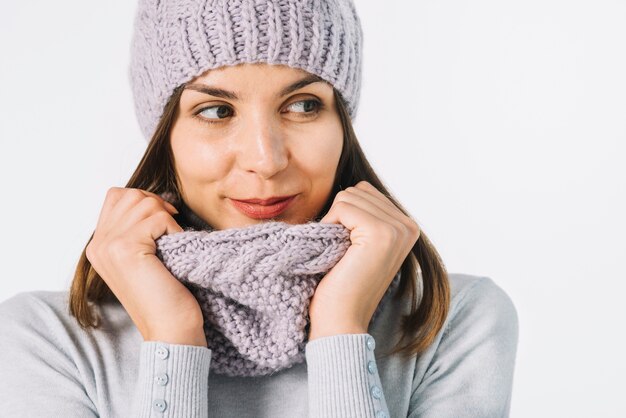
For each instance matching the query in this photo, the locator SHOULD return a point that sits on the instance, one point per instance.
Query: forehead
(239, 81)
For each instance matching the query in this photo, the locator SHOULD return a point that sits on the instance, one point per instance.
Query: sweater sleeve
(172, 379)
(343, 379)
(471, 372)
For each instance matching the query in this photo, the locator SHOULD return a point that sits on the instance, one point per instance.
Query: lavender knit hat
(176, 41)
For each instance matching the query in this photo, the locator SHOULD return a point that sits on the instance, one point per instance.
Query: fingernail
(172, 206)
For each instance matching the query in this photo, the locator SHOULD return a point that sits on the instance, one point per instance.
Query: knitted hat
(176, 41)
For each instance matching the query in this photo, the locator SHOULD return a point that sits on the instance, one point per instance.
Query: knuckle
(112, 191)
(336, 199)
(414, 228)
(343, 194)
(408, 232)
(89, 252)
(341, 204)
(153, 203)
(134, 193)
(162, 216)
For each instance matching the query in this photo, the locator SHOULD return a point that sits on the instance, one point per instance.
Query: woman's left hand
(381, 237)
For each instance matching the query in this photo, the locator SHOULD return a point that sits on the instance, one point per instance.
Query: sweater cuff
(173, 381)
(343, 377)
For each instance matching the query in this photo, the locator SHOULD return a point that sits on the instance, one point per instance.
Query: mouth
(265, 202)
(263, 209)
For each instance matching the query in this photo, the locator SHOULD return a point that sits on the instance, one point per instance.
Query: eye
(212, 114)
(306, 108)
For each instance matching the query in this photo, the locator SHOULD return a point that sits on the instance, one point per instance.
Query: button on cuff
(376, 392)
(162, 379)
(371, 367)
(159, 405)
(162, 352)
(371, 343)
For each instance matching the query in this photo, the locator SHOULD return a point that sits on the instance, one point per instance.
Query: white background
(500, 125)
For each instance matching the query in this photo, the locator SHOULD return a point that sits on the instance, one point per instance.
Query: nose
(263, 147)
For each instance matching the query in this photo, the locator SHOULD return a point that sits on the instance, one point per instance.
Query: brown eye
(308, 106)
(215, 112)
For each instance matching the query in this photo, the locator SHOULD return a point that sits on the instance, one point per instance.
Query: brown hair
(155, 173)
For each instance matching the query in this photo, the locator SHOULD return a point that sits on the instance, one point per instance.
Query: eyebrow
(226, 94)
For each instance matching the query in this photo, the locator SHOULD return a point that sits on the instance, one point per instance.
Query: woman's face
(250, 136)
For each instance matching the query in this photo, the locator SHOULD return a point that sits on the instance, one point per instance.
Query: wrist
(197, 338)
(331, 330)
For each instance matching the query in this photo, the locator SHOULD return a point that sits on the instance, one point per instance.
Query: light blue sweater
(49, 367)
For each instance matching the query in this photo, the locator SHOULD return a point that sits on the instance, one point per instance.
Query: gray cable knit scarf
(254, 285)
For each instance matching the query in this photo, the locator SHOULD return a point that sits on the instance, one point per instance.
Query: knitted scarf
(254, 285)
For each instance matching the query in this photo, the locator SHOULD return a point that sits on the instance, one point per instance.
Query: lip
(265, 202)
(263, 211)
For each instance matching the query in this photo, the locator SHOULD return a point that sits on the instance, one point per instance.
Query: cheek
(198, 162)
(321, 150)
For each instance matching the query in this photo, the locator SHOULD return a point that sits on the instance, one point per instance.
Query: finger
(385, 205)
(153, 226)
(143, 209)
(134, 196)
(131, 197)
(393, 210)
(349, 214)
(363, 201)
(159, 224)
(369, 187)
(160, 198)
(366, 201)
(150, 229)
(354, 217)
(165, 203)
(125, 201)
(112, 197)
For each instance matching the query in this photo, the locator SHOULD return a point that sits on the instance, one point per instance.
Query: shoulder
(35, 318)
(44, 314)
(480, 298)
(37, 305)
(481, 313)
(34, 335)
(43, 352)
(467, 289)
(472, 359)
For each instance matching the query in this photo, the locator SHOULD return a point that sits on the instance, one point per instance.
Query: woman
(239, 101)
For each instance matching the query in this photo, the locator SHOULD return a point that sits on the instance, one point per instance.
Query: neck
(187, 219)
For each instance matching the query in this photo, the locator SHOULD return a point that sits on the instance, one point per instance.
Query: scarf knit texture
(254, 285)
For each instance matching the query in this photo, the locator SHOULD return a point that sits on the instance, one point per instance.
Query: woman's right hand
(123, 252)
